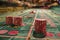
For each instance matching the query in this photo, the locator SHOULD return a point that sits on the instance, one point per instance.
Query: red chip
(58, 34)
(32, 12)
(13, 32)
(50, 34)
(3, 31)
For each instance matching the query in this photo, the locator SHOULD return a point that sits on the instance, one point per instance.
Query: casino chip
(58, 34)
(50, 34)
(13, 32)
(3, 31)
(32, 12)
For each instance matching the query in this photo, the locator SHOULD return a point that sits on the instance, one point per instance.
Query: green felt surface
(19, 39)
(23, 31)
(5, 38)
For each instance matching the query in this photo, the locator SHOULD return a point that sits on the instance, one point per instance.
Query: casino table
(26, 32)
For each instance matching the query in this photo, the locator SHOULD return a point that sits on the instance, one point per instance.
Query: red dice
(18, 21)
(40, 25)
(9, 20)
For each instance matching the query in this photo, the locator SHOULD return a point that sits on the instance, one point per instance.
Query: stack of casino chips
(18, 21)
(40, 27)
(14, 21)
(9, 20)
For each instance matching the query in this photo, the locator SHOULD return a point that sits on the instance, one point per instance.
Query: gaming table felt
(24, 30)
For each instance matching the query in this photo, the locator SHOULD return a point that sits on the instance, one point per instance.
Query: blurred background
(13, 5)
